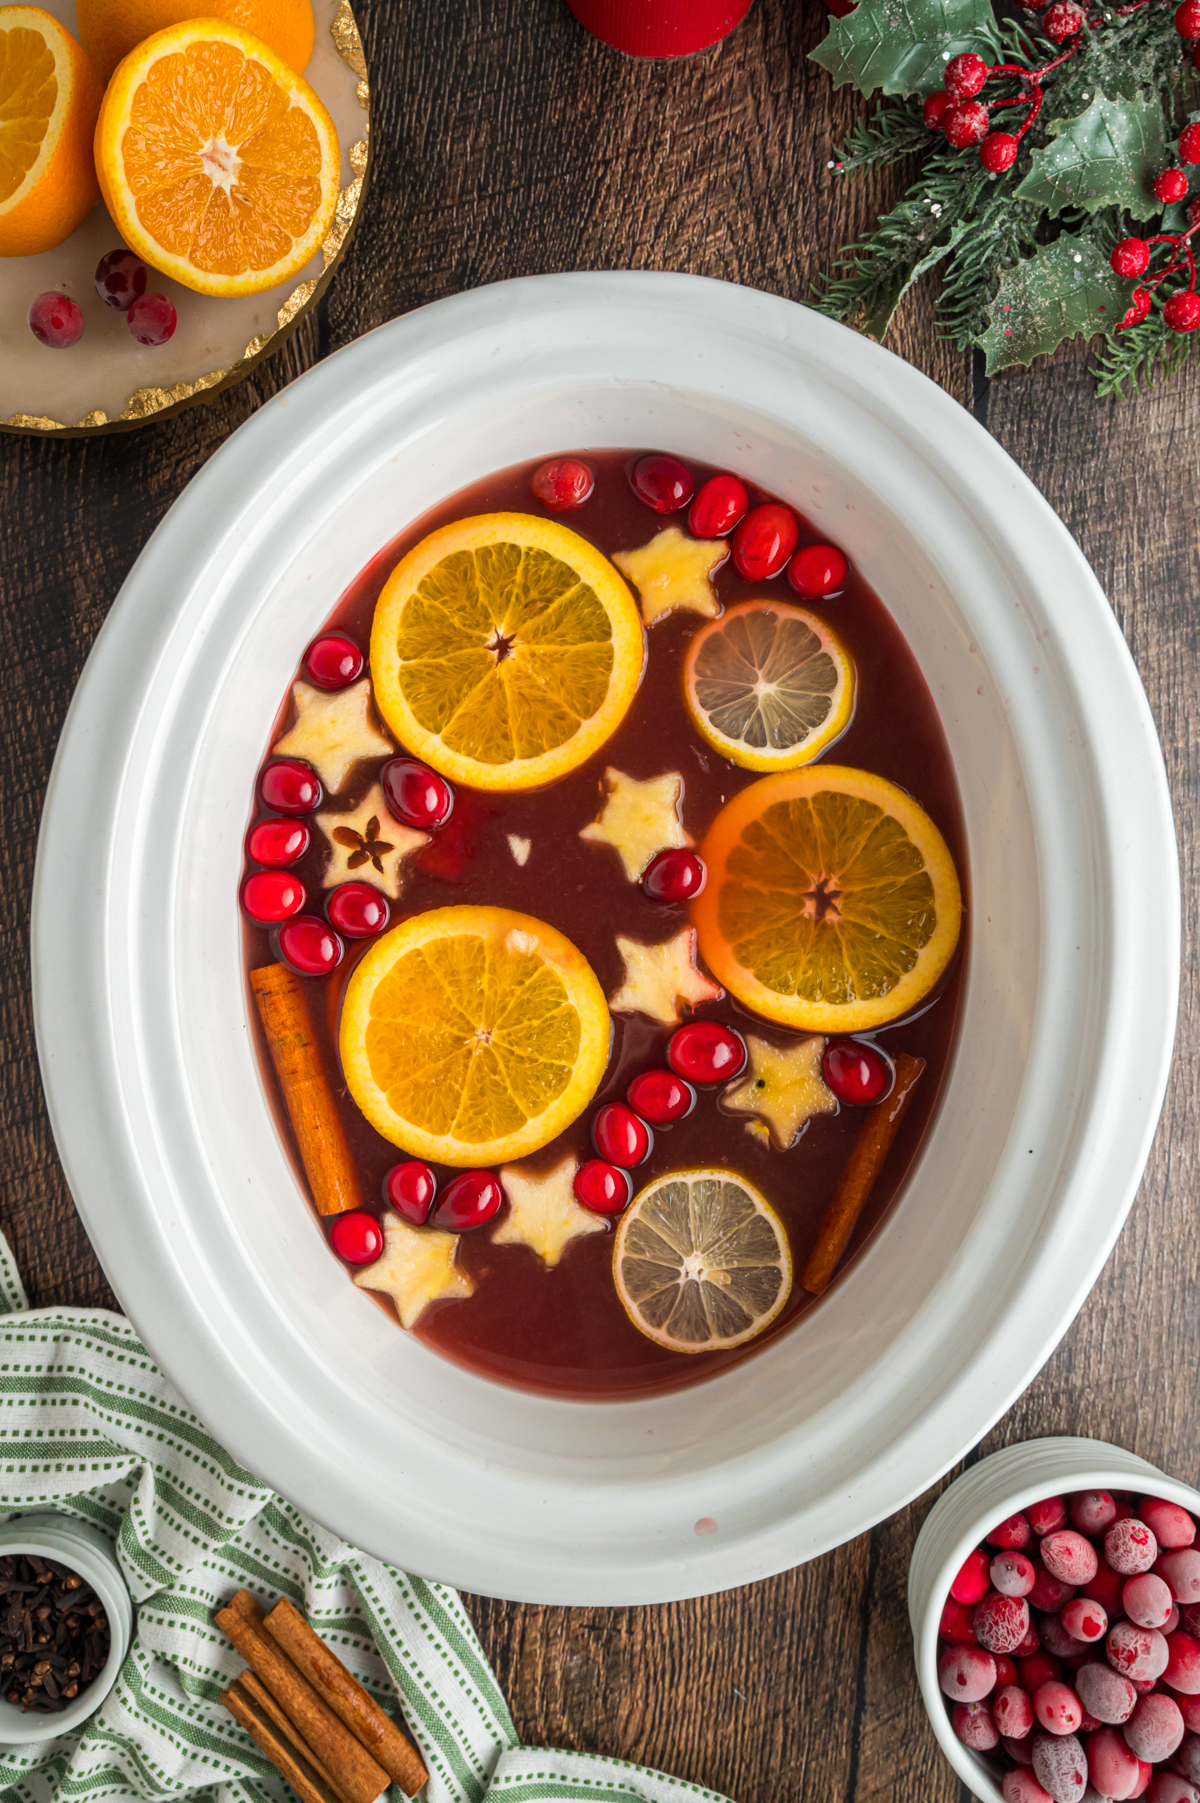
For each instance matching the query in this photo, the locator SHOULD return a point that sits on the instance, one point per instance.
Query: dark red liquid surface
(564, 1330)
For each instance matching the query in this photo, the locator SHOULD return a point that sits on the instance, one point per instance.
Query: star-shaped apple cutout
(674, 570)
(660, 980)
(333, 732)
(542, 1211)
(367, 846)
(417, 1267)
(639, 818)
(782, 1087)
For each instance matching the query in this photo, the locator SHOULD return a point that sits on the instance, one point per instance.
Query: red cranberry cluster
(766, 537)
(57, 321)
(1072, 1650)
(1131, 257)
(470, 1199)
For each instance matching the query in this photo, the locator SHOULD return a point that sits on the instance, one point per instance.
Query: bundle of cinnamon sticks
(310, 1716)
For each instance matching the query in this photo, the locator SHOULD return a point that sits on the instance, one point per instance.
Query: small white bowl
(84, 1550)
(995, 1488)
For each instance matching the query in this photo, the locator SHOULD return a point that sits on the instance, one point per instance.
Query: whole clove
(54, 1634)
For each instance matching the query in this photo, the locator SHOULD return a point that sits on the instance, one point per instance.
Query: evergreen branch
(1135, 359)
(1000, 233)
(896, 131)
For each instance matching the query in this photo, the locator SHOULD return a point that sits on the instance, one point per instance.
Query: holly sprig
(1043, 147)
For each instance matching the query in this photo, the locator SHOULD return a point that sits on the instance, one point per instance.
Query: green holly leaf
(902, 46)
(1107, 156)
(1065, 288)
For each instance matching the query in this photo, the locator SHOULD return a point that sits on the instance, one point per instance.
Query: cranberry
(1063, 20)
(1018, 1784)
(1181, 312)
(1048, 1594)
(620, 1136)
(56, 320)
(1067, 1555)
(1104, 1693)
(277, 843)
(409, 1188)
(856, 1071)
(1001, 1623)
(1012, 1533)
(1029, 1644)
(1181, 1569)
(333, 661)
(662, 482)
(1045, 1516)
(1187, 19)
(1060, 1766)
(289, 787)
(966, 1673)
(1059, 1640)
(309, 946)
(603, 1188)
(1172, 1787)
(1112, 1764)
(955, 1625)
(562, 483)
(933, 112)
(1057, 1708)
(357, 909)
(1037, 1669)
(1170, 186)
(673, 876)
(1183, 1664)
(1155, 1728)
(817, 571)
(974, 1726)
(998, 151)
(416, 794)
(1189, 1709)
(468, 1200)
(721, 503)
(966, 124)
(357, 1237)
(1012, 1574)
(152, 319)
(1092, 1511)
(1130, 1547)
(270, 896)
(1131, 257)
(1006, 1670)
(1137, 1653)
(1013, 1711)
(120, 279)
(1105, 1588)
(1085, 1620)
(964, 75)
(1170, 1525)
(703, 1052)
(661, 1098)
(764, 541)
(972, 1583)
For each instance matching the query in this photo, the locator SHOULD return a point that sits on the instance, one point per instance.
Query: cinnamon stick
(256, 1692)
(344, 1694)
(282, 1746)
(355, 1776)
(858, 1179)
(287, 1023)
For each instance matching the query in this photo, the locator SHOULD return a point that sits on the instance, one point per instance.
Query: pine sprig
(1132, 361)
(895, 132)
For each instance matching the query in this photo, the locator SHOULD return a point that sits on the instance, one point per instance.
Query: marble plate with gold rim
(109, 382)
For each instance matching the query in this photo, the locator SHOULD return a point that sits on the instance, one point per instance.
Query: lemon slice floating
(768, 686)
(505, 651)
(701, 1261)
(473, 1035)
(832, 903)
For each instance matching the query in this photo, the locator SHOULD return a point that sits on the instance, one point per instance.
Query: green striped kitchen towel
(89, 1425)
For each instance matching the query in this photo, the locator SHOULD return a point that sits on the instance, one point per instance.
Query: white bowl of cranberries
(1054, 1593)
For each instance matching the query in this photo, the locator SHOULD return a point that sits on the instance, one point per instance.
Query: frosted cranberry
(1012, 1712)
(704, 1052)
(1171, 1787)
(1147, 1600)
(467, 1201)
(151, 319)
(1048, 1594)
(1085, 1620)
(1137, 1653)
(1112, 1764)
(973, 1579)
(269, 896)
(563, 483)
(357, 1238)
(1001, 1622)
(1031, 1643)
(1088, 1723)
(956, 1625)
(120, 278)
(1047, 1516)
(964, 75)
(1006, 1670)
(309, 946)
(1104, 1693)
(1183, 1664)
(410, 1188)
(277, 843)
(720, 504)
(333, 661)
(357, 909)
(966, 1673)
(1021, 1786)
(1057, 1708)
(661, 1098)
(673, 876)
(1037, 1669)
(973, 1724)
(1067, 1555)
(1092, 1511)
(1012, 1574)
(966, 124)
(602, 1187)
(1130, 1547)
(56, 321)
(1057, 1638)
(620, 1137)
(816, 571)
(856, 1071)
(1145, 1774)
(1012, 1533)
(289, 787)
(1155, 1728)
(1106, 1588)
(1181, 1570)
(1022, 1752)
(415, 794)
(1060, 1766)
(934, 109)
(662, 482)
(1171, 1526)
(764, 541)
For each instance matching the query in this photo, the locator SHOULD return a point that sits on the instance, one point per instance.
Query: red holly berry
(1063, 20)
(1170, 186)
(1139, 307)
(1187, 19)
(966, 124)
(1189, 143)
(998, 152)
(964, 75)
(934, 110)
(1182, 311)
(1131, 256)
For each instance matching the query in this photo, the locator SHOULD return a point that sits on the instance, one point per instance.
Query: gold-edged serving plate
(109, 383)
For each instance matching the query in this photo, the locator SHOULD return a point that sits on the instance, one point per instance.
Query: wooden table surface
(508, 142)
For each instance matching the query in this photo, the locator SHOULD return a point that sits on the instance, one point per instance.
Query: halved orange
(110, 29)
(505, 650)
(473, 1035)
(218, 163)
(49, 99)
(832, 903)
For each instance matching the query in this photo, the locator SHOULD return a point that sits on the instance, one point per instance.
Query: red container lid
(660, 27)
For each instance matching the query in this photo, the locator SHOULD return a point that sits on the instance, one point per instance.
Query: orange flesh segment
(28, 93)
